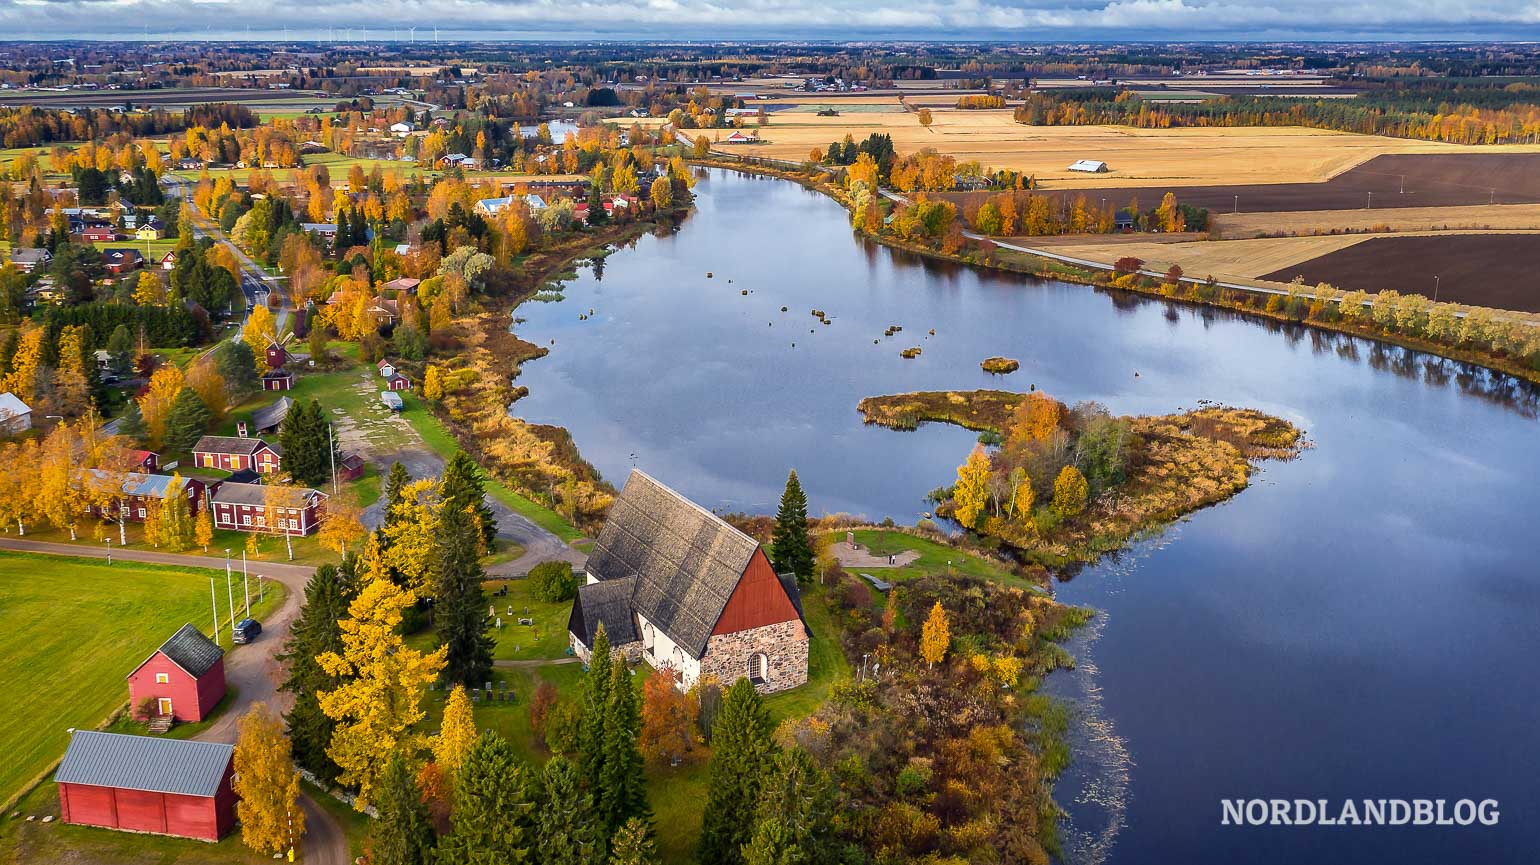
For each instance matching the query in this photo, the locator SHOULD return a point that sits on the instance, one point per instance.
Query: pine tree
(314, 632)
(460, 608)
(596, 705)
(187, 421)
(569, 828)
(494, 808)
(462, 486)
(622, 792)
(795, 815)
(632, 845)
(792, 551)
(402, 835)
(741, 759)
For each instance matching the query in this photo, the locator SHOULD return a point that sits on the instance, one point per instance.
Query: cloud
(962, 19)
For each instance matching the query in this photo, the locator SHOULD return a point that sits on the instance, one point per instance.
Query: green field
(70, 631)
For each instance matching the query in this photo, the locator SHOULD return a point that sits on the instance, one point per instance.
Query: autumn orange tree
(668, 718)
(267, 783)
(935, 635)
(379, 703)
(972, 490)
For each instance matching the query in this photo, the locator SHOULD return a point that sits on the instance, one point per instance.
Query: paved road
(539, 545)
(253, 670)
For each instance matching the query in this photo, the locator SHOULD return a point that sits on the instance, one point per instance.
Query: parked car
(246, 630)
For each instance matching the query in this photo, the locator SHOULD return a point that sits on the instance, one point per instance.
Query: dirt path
(253, 671)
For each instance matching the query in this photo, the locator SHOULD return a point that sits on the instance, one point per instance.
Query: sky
(1048, 20)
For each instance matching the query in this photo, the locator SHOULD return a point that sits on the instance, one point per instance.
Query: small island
(1063, 485)
(1000, 365)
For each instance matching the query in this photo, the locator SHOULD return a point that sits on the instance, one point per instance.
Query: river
(1362, 622)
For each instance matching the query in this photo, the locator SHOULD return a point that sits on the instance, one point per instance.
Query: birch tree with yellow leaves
(267, 783)
(155, 405)
(380, 699)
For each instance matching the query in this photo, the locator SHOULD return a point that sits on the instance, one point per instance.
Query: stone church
(677, 587)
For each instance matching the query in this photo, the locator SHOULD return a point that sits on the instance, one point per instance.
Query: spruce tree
(314, 632)
(132, 425)
(395, 482)
(741, 759)
(402, 835)
(569, 829)
(795, 815)
(187, 421)
(460, 606)
(622, 792)
(596, 705)
(493, 815)
(462, 486)
(793, 552)
(632, 845)
(238, 364)
(307, 452)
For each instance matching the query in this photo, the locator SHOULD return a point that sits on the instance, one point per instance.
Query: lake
(1362, 622)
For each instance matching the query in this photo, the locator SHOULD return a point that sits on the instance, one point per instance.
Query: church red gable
(758, 599)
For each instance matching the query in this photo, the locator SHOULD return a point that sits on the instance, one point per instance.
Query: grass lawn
(23, 842)
(441, 442)
(73, 628)
(350, 396)
(934, 558)
(546, 639)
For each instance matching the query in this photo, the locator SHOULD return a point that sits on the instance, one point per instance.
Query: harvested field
(1220, 258)
(1470, 176)
(1482, 217)
(1139, 158)
(1496, 270)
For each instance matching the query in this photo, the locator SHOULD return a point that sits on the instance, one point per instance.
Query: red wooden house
(120, 261)
(244, 508)
(278, 379)
(147, 784)
(140, 492)
(677, 587)
(98, 234)
(397, 381)
(185, 677)
(233, 453)
(147, 460)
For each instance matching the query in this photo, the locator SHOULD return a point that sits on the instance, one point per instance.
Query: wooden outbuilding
(146, 784)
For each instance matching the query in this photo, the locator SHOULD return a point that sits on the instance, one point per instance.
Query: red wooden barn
(146, 784)
(185, 677)
(233, 453)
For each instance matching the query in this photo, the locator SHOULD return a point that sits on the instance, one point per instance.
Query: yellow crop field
(1137, 157)
(1479, 216)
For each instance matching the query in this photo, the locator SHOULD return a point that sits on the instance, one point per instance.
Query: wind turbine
(435, 33)
(366, 33)
(413, 32)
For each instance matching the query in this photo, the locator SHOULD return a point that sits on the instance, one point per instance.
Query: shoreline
(1048, 269)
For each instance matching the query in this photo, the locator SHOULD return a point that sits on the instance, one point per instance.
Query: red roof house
(185, 677)
(147, 784)
(397, 381)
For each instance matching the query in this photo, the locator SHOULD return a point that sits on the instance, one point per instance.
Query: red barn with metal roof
(145, 784)
(185, 677)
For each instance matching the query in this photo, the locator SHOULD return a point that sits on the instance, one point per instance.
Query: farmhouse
(15, 415)
(676, 586)
(401, 130)
(151, 230)
(741, 137)
(145, 784)
(135, 494)
(185, 677)
(1091, 166)
(28, 259)
(118, 260)
(233, 452)
(243, 508)
(99, 234)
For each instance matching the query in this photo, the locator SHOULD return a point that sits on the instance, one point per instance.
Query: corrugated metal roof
(144, 763)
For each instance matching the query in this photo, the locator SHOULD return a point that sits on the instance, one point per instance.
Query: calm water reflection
(1362, 622)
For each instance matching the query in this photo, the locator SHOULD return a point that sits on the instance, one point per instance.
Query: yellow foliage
(935, 636)
(972, 491)
(267, 783)
(457, 732)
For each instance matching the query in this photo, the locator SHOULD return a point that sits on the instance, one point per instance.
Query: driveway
(539, 545)
(253, 670)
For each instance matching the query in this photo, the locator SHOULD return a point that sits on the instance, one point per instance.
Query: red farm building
(233, 453)
(147, 784)
(185, 677)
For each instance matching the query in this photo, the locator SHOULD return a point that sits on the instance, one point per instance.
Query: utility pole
(230, 594)
(331, 451)
(214, 602)
(1435, 287)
